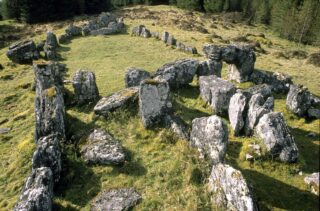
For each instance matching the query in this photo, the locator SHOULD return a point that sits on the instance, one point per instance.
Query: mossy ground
(165, 170)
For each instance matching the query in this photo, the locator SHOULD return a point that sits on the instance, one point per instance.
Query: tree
(214, 5)
(11, 9)
(190, 4)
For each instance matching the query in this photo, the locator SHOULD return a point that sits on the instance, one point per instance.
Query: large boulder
(154, 102)
(117, 100)
(237, 112)
(210, 136)
(178, 73)
(298, 100)
(102, 148)
(134, 76)
(123, 199)
(275, 135)
(230, 189)
(217, 92)
(85, 87)
(312, 180)
(37, 192)
(210, 67)
(23, 52)
(48, 154)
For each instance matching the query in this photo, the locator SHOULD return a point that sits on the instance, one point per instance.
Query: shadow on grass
(276, 194)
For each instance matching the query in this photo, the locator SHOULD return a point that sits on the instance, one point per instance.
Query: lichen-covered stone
(85, 87)
(134, 76)
(210, 136)
(154, 102)
(123, 199)
(37, 192)
(23, 52)
(165, 36)
(230, 189)
(298, 100)
(117, 100)
(275, 134)
(237, 112)
(313, 181)
(210, 67)
(102, 148)
(178, 73)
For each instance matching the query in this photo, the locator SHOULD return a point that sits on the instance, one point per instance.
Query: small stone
(311, 135)
(249, 157)
(313, 181)
(165, 37)
(4, 130)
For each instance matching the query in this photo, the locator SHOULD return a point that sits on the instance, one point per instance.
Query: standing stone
(154, 102)
(85, 87)
(137, 30)
(274, 133)
(102, 148)
(178, 73)
(165, 37)
(171, 40)
(23, 52)
(181, 46)
(48, 155)
(237, 112)
(37, 192)
(210, 136)
(298, 100)
(52, 40)
(64, 38)
(134, 76)
(229, 189)
(313, 181)
(210, 67)
(217, 92)
(145, 33)
(123, 199)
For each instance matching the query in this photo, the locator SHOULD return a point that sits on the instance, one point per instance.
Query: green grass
(164, 169)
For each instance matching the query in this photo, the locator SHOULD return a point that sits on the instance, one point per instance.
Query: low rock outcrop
(210, 136)
(23, 52)
(313, 181)
(154, 102)
(37, 192)
(102, 148)
(116, 200)
(217, 92)
(275, 135)
(85, 87)
(134, 76)
(178, 73)
(117, 100)
(230, 189)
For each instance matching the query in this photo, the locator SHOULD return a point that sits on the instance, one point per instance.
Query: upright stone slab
(23, 52)
(85, 87)
(229, 189)
(237, 112)
(154, 102)
(134, 76)
(165, 36)
(210, 136)
(298, 100)
(178, 73)
(210, 67)
(275, 135)
(52, 40)
(37, 192)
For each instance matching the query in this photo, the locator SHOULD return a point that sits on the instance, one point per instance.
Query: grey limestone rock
(165, 36)
(23, 52)
(298, 100)
(134, 76)
(210, 67)
(237, 112)
(85, 87)
(313, 181)
(73, 31)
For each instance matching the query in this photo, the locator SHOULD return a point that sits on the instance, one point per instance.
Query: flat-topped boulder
(23, 52)
(210, 67)
(216, 92)
(37, 193)
(154, 102)
(275, 135)
(48, 154)
(313, 181)
(102, 148)
(210, 136)
(178, 73)
(116, 200)
(117, 100)
(298, 100)
(85, 87)
(229, 189)
(134, 76)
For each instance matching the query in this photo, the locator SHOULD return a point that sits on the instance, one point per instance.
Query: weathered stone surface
(298, 100)
(117, 100)
(274, 133)
(73, 31)
(178, 73)
(102, 148)
(23, 52)
(237, 112)
(177, 125)
(191, 50)
(116, 200)
(313, 181)
(64, 38)
(278, 82)
(105, 18)
(210, 136)
(37, 192)
(134, 76)
(52, 40)
(48, 154)
(210, 67)
(154, 102)
(137, 30)
(314, 113)
(40, 45)
(258, 106)
(85, 87)
(145, 33)
(230, 189)
(212, 52)
(171, 40)
(49, 103)
(217, 92)
(165, 36)
(263, 89)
